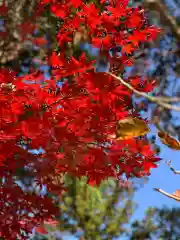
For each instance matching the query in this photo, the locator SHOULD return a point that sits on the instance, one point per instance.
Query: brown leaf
(169, 141)
(177, 193)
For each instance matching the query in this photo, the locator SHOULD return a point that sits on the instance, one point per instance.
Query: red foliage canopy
(71, 123)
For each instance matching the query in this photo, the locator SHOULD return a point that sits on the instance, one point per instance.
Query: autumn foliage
(72, 123)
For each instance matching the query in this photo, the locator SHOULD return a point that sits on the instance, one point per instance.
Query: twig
(172, 169)
(169, 99)
(167, 194)
(157, 100)
(165, 16)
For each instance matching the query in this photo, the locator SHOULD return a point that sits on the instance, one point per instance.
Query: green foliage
(94, 211)
(160, 224)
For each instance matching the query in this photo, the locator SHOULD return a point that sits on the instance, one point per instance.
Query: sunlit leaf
(131, 127)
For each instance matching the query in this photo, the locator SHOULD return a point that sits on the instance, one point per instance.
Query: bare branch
(165, 16)
(173, 196)
(169, 99)
(157, 100)
(172, 169)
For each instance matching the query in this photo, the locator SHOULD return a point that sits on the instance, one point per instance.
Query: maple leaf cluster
(70, 123)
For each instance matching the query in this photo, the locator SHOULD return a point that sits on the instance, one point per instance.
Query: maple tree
(72, 123)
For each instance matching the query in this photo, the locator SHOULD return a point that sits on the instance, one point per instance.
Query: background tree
(105, 213)
(91, 212)
(160, 60)
(26, 34)
(158, 224)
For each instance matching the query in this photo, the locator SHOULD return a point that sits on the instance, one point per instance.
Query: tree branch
(165, 16)
(169, 99)
(173, 196)
(172, 169)
(158, 100)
